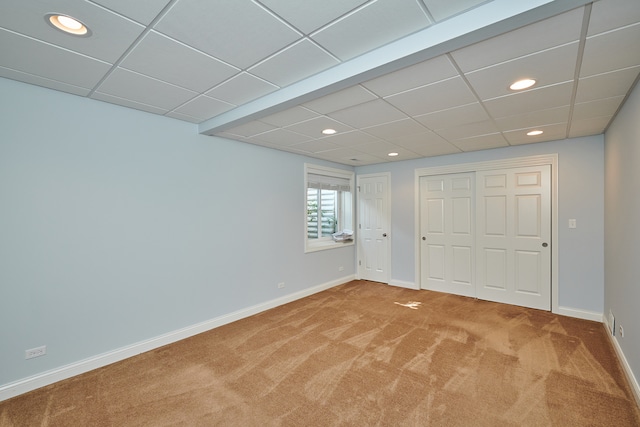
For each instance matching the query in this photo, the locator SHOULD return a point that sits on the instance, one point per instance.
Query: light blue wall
(622, 215)
(117, 226)
(580, 196)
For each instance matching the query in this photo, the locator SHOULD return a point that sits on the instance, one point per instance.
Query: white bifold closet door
(513, 236)
(447, 233)
(486, 234)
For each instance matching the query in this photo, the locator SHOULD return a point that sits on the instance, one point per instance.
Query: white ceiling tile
(592, 126)
(383, 149)
(602, 53)
(403, 154)
(289, 117)
(367, 114)
(39, 59)
(203, 107)
(606, 85)
(345, 98)
(341, 153)
(378, 23)
(298, 61)
(281, 137)
(139, 88)
(314, 127)
(163, 58)
(439, 149)
(534, 118)
(494, 81)
(442, 119)
(609, 14)
(434, 97)
(442, 9)
(310, 15)
(423, 73)
(315, 146)
(257, 34)
(551, 132)
(543, 98)
(545, 34)
(395, 129)
(598, 108)
(417, 142)
(40, 81)
(112, 33)
(351, 139)
(351, 157)
(127, 103)
(143, 12)
(468, 130)
(483, 142)
(378, 148)
(241, 88)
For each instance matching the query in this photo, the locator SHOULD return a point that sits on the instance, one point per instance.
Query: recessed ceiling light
(67, 24)
(535, 133)
(522, 84)
(392, 154)
(329, 131)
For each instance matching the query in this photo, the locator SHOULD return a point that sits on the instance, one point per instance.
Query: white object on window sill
(344, 235)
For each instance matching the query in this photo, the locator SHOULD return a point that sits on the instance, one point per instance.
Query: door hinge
(359, 226)
(358, 188)
(359, 262)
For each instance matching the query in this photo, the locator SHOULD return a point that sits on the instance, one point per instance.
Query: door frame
(387, 176)
(545, 159)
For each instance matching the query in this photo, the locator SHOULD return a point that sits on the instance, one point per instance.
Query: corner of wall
(633, 381)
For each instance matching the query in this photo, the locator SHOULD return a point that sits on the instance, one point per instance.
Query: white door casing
(373, 231)
(447, 226)
(514, 236)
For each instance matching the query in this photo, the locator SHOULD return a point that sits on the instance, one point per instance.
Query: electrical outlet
(280, 285)
(35, 352)
(341, 268)
(621, 331)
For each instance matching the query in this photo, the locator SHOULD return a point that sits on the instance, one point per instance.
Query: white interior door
(373, 227)
(513, 247)
(447, 233)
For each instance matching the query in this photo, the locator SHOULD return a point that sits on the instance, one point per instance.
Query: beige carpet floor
(361, 354)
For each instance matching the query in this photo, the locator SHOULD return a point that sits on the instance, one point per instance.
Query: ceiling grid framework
(416, 77)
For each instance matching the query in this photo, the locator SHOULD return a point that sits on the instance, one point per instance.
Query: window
(328, 206)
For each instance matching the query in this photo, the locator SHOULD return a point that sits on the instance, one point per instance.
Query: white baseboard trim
(580, 314)
(633, 381)
(13, 389)
(403, 284)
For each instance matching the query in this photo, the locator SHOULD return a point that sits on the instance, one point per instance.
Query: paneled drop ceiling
(415, 77)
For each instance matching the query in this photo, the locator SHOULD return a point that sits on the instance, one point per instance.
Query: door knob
(544, 245)
(424, 238)
(384, 234)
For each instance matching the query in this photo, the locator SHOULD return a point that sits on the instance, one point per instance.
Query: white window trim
(314, 245)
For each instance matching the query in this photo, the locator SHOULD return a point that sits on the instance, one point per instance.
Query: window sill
(326, 244)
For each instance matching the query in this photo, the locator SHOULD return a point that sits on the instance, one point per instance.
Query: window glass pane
(312, 213)
(326, 215)
(329, 212)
